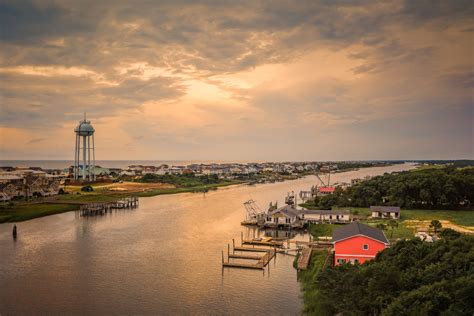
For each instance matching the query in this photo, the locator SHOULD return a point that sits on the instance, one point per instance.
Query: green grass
(465, 218)
(426, 167)
(25, 212)
(321, 230)
(308, 283)
(399, 232)
(21, 211)
(459, 217)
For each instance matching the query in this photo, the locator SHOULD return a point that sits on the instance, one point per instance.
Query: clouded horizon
(238, 80)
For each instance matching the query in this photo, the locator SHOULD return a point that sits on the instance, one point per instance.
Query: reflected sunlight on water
(164, 257)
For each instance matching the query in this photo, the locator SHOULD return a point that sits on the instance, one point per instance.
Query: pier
(304, 258)
(261, 261)
(99, 209)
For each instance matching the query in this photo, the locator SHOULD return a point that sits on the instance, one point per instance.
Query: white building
(325, 216)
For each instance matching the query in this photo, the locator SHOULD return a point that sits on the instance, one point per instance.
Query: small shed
(385, 212)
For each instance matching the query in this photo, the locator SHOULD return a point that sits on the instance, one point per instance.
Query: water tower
(84, 134)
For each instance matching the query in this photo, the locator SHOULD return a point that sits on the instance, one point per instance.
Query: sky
(238, 80)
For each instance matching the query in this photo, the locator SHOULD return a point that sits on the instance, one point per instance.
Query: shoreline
(24, 211)
(58, 204)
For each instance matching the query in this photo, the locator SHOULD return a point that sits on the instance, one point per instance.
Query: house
(325, 216)
(9, 191)
(357, 243)
(386, 212)
(285, 216)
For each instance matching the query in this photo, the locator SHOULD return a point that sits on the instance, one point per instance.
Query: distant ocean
(61, 164)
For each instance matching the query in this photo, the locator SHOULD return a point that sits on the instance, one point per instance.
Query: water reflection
(163, 257)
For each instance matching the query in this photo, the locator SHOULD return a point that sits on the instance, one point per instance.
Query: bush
(87, 188)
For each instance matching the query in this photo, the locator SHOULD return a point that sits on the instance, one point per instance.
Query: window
(341, 261)
(365, 247)
(269, 219)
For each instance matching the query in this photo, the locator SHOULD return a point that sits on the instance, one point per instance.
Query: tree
(450, 233)
(393, 224)
(436, 225)
(381, 226)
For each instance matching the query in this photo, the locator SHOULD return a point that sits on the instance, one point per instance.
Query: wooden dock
(248, 257)
(263, 242)
(99, 209)
(304, 259)
(258, 260)
(262, 261)
(251, 249)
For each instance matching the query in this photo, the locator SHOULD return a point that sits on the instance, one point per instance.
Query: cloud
(178, 76)
(35, 140)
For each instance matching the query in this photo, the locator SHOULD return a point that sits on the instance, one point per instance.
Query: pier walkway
(304, 258)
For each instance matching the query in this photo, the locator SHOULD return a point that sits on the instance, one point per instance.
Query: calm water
(164, 257)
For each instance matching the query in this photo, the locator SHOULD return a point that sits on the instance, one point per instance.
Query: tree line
(446, 188)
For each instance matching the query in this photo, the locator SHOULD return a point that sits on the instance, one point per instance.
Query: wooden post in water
(222, 256)
(241, 238)
(233, 245)
(228, 250)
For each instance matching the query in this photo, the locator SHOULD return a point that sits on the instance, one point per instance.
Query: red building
(357, 242)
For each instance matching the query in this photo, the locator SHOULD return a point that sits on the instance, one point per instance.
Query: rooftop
(385, 208)
(356, 228)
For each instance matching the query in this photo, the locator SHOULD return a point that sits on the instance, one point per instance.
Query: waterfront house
(385, 212)
(325, 216)
(285, 216)
(357, 243)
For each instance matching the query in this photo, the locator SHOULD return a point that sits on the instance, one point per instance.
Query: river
(162, 258)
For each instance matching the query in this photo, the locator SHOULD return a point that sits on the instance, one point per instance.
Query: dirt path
(425, 225)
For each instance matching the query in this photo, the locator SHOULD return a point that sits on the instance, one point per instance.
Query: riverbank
(309, 285)
(22, 211)
(107, 192)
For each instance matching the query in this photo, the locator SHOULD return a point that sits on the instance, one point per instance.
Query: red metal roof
(327, 189)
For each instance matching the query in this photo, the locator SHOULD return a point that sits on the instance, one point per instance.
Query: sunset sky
(238, 80)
